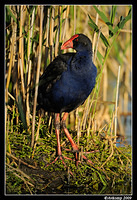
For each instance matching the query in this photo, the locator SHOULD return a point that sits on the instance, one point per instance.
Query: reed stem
(116, 104)
(37, 76)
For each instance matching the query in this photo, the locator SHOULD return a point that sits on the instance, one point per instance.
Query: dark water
(124, 188)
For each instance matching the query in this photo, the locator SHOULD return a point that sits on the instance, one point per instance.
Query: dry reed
(37, 43)
(37, 75)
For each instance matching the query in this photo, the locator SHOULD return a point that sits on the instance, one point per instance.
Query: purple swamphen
(66, 83)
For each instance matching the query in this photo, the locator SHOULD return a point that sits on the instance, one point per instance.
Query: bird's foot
(62, 159)
(79, 157)
(75, 148)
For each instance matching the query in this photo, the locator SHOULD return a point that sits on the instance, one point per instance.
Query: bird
(65, 85)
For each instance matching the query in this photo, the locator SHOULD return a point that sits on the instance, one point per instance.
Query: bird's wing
(54, 71)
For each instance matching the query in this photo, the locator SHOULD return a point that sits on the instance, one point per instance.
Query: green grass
(115, 171)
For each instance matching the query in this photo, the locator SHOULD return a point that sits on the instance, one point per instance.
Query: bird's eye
(76, 39)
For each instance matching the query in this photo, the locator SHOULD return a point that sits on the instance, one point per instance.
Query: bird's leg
(57, 129)
(74, 146)
(59, 153)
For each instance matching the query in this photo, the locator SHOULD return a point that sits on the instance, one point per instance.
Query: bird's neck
(82, 61)
(86, 53)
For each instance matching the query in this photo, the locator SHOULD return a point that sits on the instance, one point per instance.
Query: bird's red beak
(69, 43)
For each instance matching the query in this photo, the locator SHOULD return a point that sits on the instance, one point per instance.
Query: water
(126, 120)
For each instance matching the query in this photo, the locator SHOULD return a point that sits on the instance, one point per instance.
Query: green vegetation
(111, 171)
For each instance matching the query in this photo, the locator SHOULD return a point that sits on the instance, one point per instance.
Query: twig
(74, 19)
(22, 79)
(30, 31)
(123, 155)
(22, 178)
(19, 160)
(65, 22)
(116, 104)
(20, 55)
(78, 130)
(94, 37)
(95, 54)
(37, 76)
(109, 155)
(37, 135)
(88, 129)
(12, 97)
(21, 172)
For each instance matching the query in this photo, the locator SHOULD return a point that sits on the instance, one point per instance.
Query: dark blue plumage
(69, 79)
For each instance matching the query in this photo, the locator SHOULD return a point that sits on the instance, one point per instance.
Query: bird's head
(79, 42)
